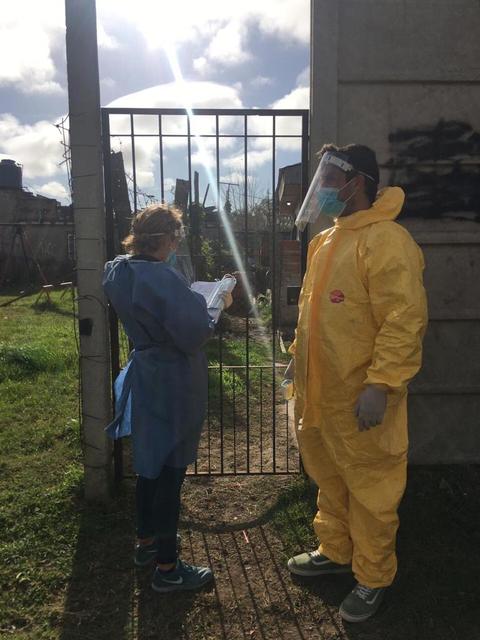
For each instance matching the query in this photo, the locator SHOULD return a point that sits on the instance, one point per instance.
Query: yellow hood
(387, 206)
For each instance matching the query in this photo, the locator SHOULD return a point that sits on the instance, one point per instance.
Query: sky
(249, 54)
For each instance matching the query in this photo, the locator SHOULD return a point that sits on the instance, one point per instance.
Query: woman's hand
(227, 299)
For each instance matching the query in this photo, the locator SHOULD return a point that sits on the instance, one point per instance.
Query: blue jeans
(158, 509)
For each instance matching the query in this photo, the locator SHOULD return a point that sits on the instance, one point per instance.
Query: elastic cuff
(382, 387)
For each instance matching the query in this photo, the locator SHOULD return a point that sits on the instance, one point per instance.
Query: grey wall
(403, 77)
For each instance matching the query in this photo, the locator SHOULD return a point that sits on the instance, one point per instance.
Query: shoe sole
(172, 588)
(348, 617)
(145, 563)
(311, 573)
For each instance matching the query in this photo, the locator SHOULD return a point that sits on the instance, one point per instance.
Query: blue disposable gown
(161, 395)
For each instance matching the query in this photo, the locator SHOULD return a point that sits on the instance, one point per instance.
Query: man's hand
(290, 370)
(370, 408)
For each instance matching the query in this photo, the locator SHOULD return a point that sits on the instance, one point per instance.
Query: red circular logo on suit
(337, 296)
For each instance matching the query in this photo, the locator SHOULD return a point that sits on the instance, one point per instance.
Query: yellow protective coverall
(362, 317)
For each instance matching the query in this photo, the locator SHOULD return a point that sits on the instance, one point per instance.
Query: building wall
(48, 238)
(403, 77)
(17, 205)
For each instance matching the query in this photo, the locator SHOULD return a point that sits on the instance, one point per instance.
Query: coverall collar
(387, 206)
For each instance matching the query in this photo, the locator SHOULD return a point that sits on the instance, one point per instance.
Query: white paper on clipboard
(213, 293)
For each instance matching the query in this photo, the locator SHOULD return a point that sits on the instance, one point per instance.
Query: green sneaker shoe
(184, 577)
(361, 603)
(145, 553)
(314, 563)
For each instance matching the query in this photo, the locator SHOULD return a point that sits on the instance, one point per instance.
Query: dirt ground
(246, 528)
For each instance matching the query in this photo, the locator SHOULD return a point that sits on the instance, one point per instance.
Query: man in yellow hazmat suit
(362, 317)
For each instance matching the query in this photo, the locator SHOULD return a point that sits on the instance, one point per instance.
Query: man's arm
(394, 268)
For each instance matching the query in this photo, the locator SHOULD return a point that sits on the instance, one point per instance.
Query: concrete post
(323, 84)
(89, 215)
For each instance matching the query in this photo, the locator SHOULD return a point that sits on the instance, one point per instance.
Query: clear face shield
(321, 199)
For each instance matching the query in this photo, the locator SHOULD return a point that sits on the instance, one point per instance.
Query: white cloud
(234, 178)
(299, 98)
(196, 94)
(188, 93)
(145, 177)
(105, 40)
(260, 149)
(28, 36)
(169, 185)
(288, 19)
(256, 158)
(173, 94)
(204, 157)
(303, 78)
(201, 65)
(108, 83)
(220, 27)
(261, 81)
(228, 45)
(31, 33)
(55, 190)
(37, 146)
(201, 94)
(185, 20)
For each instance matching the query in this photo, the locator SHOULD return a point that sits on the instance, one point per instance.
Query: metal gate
(239, 176)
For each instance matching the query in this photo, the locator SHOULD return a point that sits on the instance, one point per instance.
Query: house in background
(289, 270)
(36, 233)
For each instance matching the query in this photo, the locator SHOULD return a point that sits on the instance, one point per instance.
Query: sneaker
(184, 577)
(315, 563)
(146, 553)
(362, 603)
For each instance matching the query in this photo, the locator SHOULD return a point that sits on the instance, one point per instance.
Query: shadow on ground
(101, 591)
(246, 528)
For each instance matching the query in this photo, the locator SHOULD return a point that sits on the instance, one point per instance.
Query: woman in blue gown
(161, 395)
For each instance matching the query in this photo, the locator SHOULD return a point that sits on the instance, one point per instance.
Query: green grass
(65, 567)
(40, 469)
(51, 541)
(50, 537)
(294, 516)
(233, 378)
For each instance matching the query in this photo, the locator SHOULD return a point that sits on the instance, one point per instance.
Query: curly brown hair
(151, 226)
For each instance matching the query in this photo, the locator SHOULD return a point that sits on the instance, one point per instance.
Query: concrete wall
(22, 206)
(47, 234)
(48, 245)
(403, 77)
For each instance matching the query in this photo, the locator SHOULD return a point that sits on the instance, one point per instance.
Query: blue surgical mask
(329, 203)
(171, 261)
